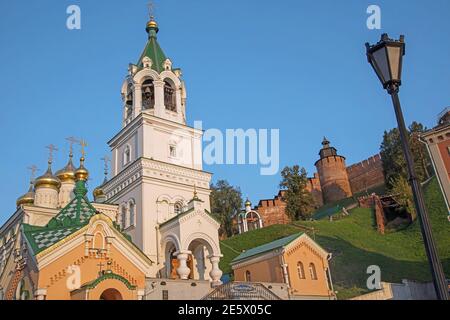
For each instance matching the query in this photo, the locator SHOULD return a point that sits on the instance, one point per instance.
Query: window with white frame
(312, 271)
(178, 208)
(172, 151)
(127, 155)
(132, 208)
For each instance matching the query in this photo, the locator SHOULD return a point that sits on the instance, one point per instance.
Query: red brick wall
(272, 211)
(366, 174)
(315, 189)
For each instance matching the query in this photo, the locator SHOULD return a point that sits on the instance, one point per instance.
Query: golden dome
(68, 172)
(152, 24)
(27, 198)
(152, 27)
(248, 203)
(48, 180)
(81, 173)
(98, 192)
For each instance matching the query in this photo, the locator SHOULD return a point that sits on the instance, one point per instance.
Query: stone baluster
(183, 270)
(215, 273)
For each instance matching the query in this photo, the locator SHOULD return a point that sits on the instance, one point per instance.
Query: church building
(148, 234)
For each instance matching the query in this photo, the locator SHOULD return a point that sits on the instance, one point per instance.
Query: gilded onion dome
(81, 173)
(27, 198)
(98, 192)
(48, 180)
(68, 172)
(248, 203)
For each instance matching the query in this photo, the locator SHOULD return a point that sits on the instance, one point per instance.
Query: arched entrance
(111, 294)
(198, 261)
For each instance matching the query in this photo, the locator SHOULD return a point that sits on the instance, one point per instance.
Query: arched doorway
(111, 294)
(198, 261)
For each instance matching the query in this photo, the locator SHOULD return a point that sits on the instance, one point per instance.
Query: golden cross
(51, 148)
(83, 145)
(72, 141)
(151, 9)
(33, 170)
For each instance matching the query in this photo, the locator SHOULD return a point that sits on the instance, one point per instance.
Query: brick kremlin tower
(333, 176)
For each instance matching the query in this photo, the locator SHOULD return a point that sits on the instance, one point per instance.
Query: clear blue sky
(298, 66)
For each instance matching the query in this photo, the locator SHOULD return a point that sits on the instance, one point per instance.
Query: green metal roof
(267, 247)
(69, 220)
(153, 51)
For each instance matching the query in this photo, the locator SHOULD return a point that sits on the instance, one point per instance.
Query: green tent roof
(153, 51)
(267, 247)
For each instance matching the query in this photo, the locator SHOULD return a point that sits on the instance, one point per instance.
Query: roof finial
(151, 9)
(152, 27)
(72, 141)
(106, 160)
(83, 145)
(33, 170)
(51, 148)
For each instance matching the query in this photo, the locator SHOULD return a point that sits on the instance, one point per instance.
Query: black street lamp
(386, 59)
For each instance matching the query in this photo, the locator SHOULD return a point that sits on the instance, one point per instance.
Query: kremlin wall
(332, 182)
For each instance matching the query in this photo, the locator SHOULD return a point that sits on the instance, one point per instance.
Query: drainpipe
(157, 245)
(285, 273)
(436, 173)
(329, 273)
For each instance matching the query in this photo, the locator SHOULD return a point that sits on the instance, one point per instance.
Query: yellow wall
(54, 276)
(306, 254)
(270, 270)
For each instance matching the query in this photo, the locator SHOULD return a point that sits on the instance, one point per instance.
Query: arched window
(248, 276)
(178, 207)
(312, 271)
(123, 217)
(169, 97)
(132, 213)
(148, 95)
(129, 101)
(300, 270)
(127, 155)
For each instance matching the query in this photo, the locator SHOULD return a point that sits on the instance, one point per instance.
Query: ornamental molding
(152, 169)
(310, 243)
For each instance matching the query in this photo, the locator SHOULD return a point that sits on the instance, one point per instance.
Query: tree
(403, 194)
(299, 201)
(226, 202)
(418, 149)
(393, 159)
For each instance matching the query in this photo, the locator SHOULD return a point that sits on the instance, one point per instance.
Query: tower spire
(106, 161)
(152, 27)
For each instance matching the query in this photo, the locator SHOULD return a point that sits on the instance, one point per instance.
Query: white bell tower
(157, 165)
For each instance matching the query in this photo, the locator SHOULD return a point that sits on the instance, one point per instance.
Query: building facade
(437, 141)
(296, 261)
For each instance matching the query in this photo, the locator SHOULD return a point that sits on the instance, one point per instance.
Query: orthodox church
(148, 234)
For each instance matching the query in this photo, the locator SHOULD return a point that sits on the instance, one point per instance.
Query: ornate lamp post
(386, 59)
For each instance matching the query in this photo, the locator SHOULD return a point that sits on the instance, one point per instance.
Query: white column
(137, 100)
(183, 270)
(159, 98)
(40, 294)
(244, 223)
(215, 273)
(140, 294)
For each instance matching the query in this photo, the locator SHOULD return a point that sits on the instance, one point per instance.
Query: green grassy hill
(355, 245)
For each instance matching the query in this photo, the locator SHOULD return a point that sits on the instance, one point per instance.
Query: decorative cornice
(153, 169)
